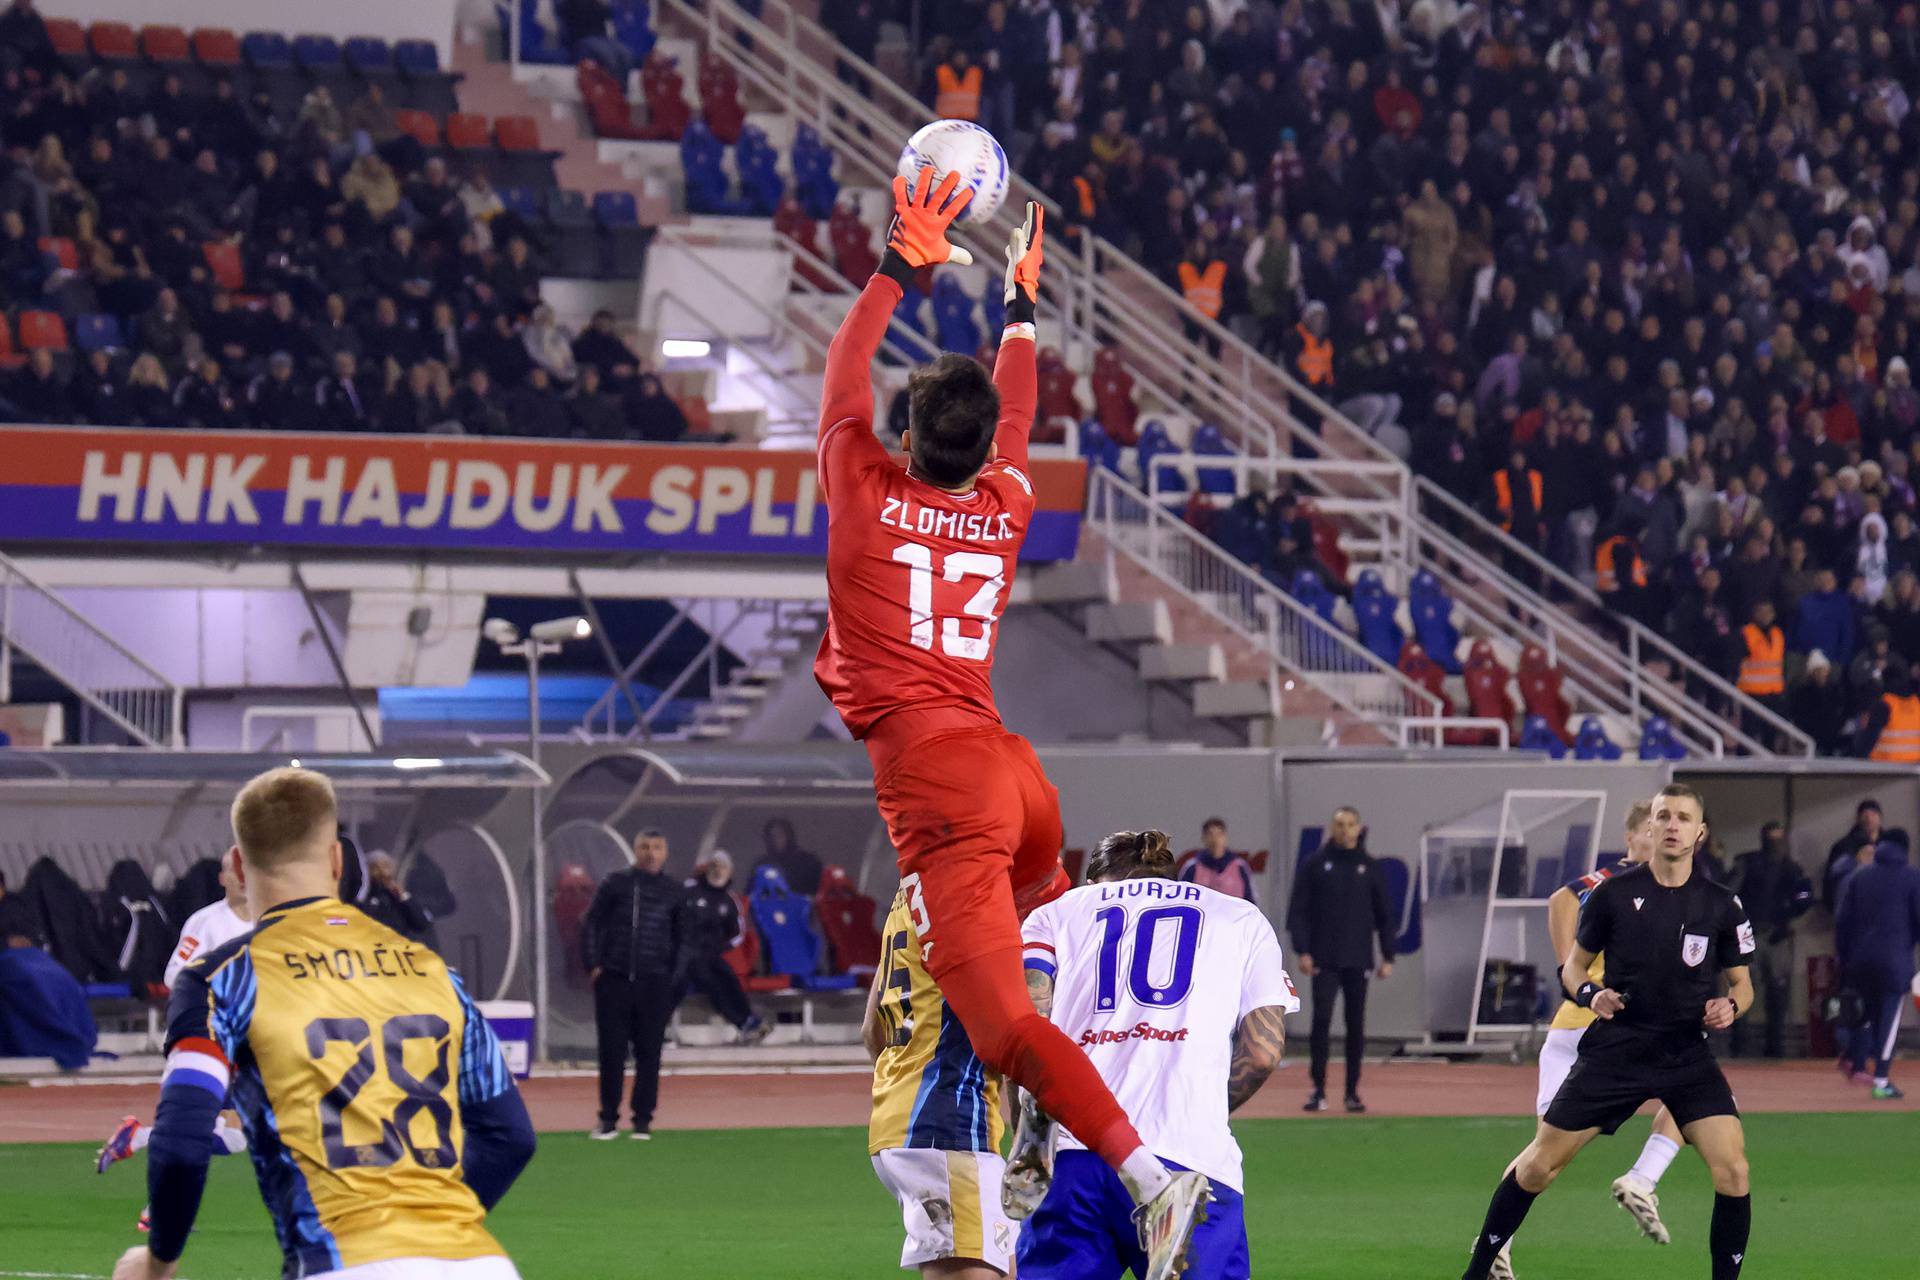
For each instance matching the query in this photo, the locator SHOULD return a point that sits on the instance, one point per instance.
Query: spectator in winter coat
(1339, 906)
(1817, 706)
(707, 925)
(1825, 621)
(1216, 866)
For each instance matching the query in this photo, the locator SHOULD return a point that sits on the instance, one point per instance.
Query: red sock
(989, 994)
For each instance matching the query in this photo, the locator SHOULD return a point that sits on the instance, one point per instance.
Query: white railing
(1095, 293)
(104, 673)
(1104, 296)
(1287, 633)
(1613, 673)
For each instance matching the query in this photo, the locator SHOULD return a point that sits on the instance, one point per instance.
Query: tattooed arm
(1040, 991)
(1257, 1044)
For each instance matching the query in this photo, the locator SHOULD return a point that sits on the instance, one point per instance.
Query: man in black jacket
(1776, 892)
(1339, 904)
(707, 924)
(627, 941)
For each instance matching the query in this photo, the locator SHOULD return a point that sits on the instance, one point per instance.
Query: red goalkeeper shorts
(976, 827)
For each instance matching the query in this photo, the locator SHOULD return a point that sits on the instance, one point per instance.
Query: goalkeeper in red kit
(919, 559)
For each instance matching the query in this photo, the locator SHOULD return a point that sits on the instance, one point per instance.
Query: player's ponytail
(1132, 855)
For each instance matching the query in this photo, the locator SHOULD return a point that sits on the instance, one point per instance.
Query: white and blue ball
(963, 147)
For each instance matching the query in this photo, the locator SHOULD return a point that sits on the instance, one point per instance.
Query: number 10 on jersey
(954, 642)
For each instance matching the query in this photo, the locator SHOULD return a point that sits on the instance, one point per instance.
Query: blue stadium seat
(370, 56)
(1592, 743)
(1208, 442)
(1658, 743)
(633, 28)
(953, 315)
(791, 945)
(1154, 441)
(813, 179)
(1374, 608)
(1096, 446)
(417, 57)
(316, 53)
(523, 201)
(615, 209)
(98, 332)
(266, 50)
(1537, 735)
(1432, 612)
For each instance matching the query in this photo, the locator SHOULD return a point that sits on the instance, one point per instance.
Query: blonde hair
(1131, 855)
(1637, 814)
(282, 815)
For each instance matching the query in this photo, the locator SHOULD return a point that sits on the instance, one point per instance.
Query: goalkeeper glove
(921, 218)
(1023, 265)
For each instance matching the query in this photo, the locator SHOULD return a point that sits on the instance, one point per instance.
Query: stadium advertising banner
(352, 492)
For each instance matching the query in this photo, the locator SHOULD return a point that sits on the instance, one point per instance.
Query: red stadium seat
(850, 919)
(1540, 691)
(165, 44)
(216, 47)
(1326, 542)
(223, 259)
(791, 221)
(69, 37)
(852, 244)
(516, 133)
(63, 249)
(42, 329)
(468, 131)
(1113, 402)
(1056, 383)
(418, 125)
(113, 41)
(720, 100)
(1417, 665)
(1487, 695)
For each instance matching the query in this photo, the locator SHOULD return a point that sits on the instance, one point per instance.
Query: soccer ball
(963, 147)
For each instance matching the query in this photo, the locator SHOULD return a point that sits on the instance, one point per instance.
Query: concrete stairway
(1172, 644)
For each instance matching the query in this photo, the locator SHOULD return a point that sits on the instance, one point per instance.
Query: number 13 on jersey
(955, 642)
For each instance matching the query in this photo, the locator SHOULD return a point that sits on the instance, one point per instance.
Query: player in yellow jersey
(1633, 1191)
(935, 1130)
(381, 1116)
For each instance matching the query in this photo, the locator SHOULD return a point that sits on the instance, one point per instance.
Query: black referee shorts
(1609, 1083)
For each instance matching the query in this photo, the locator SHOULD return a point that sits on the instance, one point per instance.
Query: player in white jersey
(208, 928)
(1177, 993)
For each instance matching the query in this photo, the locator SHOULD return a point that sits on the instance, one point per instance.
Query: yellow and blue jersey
(1570, 1016)
(350, 1053)
(929, 1087)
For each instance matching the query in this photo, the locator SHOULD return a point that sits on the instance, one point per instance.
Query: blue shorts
(1084, 1229)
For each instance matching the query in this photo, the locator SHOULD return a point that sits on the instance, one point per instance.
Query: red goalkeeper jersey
(917, 578)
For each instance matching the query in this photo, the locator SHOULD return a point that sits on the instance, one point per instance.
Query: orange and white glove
(1023, 265)
(921, 219)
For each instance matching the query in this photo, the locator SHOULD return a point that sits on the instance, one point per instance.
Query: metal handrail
(1589, 662)
(148, 707)
(1643, 642)
(1091, 307)
(782, 20)
(1107, 491)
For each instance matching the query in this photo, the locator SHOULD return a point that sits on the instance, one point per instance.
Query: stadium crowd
(223, 257)
(1638, 278)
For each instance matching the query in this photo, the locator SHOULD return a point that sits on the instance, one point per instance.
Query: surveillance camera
(560, 630)
(499, 630)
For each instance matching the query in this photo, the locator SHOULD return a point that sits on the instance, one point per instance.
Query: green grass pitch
(1368, 1199)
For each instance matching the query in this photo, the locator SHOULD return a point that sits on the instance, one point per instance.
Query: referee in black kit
(1667, 933)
